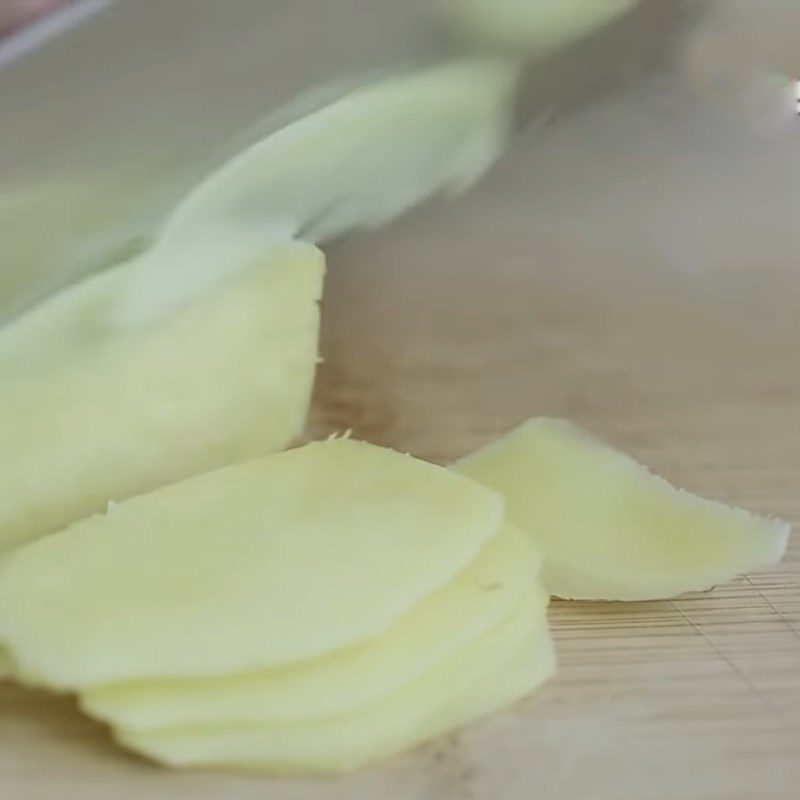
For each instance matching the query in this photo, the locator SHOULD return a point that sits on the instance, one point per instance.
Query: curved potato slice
(441, 624)
(608, 528)
(359, 161)
(93, 411)
(493, 671)
(253, 566)
(363, 159)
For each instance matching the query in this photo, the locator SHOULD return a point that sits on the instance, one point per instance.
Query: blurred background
(631, 263)
(15, 14)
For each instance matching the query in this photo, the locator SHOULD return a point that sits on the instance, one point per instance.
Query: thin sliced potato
(93, 410)
(375, 152)
(472, 603)
(491, 672)
(257, 565)
(608, 528)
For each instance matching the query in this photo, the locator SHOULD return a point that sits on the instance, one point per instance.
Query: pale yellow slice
(442, 623)
(256, 565)
(95, 409)
(363, 159)
(490, 673)
(609, 529)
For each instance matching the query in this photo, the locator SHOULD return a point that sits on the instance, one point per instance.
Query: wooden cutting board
(622, 270)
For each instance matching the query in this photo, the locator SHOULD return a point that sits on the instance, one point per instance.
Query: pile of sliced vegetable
(219, 600)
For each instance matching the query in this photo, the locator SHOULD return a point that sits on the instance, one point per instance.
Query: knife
(111, 111)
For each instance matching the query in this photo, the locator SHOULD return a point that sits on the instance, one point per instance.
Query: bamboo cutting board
(622, 270)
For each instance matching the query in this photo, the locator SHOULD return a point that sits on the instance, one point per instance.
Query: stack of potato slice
(312, 610)
(316, 610)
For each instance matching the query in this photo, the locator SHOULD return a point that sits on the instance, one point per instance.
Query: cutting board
(631, 269)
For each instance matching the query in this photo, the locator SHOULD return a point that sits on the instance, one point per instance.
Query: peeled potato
(608, 528)
(459, 612)
(487, 674)
(254, 566)
(95, 409)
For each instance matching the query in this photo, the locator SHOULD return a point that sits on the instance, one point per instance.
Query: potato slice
(256, 565)
(489, 673)
(459, 612)
(375, 152)
(94, 410)
(609, 529)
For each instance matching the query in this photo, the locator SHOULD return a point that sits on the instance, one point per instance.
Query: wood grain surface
(622, 269)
